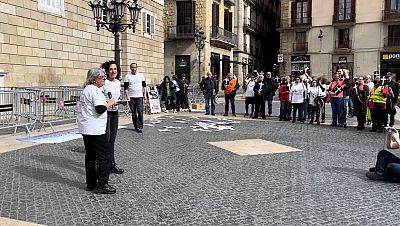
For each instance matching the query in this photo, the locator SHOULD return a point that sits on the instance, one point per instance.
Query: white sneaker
(166, 111)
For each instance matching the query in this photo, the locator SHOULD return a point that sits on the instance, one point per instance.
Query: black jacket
(209, 85)
(270, 86)
(259, 90)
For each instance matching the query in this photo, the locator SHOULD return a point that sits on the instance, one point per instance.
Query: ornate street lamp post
(113, 21)
(199, 40)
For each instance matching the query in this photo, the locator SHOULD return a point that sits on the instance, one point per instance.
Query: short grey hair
(92, 75)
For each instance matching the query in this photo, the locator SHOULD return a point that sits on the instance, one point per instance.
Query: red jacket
(284, 93)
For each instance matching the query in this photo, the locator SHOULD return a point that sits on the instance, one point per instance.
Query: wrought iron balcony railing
(221, 34)
(181, 31)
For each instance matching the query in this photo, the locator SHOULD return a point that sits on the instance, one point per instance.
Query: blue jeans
(208, 97)
(269, 99)
(337, 111)
(136, 105)
(388, 163)
(346, 108)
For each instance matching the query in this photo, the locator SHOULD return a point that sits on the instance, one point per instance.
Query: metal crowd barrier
(56, 105)
(17, 109)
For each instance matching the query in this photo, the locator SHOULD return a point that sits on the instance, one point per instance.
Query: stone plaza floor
(264, 172)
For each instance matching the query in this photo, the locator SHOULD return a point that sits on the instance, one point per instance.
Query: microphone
(109, 95)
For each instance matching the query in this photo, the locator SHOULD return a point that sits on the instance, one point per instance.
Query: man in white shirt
(135, 90)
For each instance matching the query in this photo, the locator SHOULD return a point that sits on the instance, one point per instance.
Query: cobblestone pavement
(179, 179)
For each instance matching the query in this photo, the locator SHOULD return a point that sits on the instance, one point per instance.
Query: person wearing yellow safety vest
(377, 104)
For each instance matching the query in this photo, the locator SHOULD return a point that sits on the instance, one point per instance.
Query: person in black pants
(92, 122)
(112, 89)
(230, 85)
(270, 89)
(391, 101)
(259, 90)
(360, 95)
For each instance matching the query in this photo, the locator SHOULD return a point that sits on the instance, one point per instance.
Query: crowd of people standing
(304, 98)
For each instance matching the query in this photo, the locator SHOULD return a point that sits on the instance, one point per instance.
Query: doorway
(182, 66)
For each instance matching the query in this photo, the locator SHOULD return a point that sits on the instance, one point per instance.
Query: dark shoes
(212, 113)
(90, 187)
(375, 176)
(226, 114)
(116, 170)
(104, 189)
(138, 130)
(207, 113)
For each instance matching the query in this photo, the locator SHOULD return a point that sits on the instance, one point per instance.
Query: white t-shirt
(315, 92)
(177, 89)
(89, 121)
(297, 93)
(115, 88)
(250, 88)
(135, 88)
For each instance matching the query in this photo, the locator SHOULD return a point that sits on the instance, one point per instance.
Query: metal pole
(117, 50)
(199, 64)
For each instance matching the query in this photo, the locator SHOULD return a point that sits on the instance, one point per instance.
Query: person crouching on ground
(387, 165)
(92, 121)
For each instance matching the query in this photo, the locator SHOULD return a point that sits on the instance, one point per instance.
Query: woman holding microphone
(92, 122)
(112, 89)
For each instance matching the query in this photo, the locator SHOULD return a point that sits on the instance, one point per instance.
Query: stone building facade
(55, 42)
(258, 39)
(325, 35)
(216, 18)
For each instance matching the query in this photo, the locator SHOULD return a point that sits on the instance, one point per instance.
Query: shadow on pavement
(47, 176)
(360, 173)
(61, 162)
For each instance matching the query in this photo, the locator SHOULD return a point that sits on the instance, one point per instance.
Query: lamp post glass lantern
(114, 18)
(199, 40)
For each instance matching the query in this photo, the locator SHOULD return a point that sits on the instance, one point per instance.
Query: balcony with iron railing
(300, 47)
(392, 42)
(344, 18)
(252, 25)
(181, 31)
(301, 22)
(391, 15)
(343, 45)
(223, 38)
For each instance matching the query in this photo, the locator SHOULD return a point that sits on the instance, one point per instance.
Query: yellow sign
(385, 56)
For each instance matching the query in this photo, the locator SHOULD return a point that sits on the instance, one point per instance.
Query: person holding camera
(387, 165)
(359, 95)
(230, 86)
